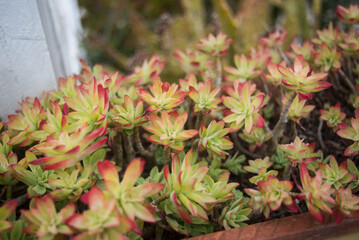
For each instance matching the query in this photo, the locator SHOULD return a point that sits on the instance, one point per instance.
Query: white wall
(39, 42)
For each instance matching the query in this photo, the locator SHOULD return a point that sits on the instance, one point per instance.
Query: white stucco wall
(39, 41)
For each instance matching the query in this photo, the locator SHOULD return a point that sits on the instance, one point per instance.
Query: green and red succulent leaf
(168, 130)
(162, 96)
(316, 192)
(213, 138)
(6, 210)
(44, 221)
(214, 45)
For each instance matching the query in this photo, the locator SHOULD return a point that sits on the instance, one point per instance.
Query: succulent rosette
(146, 73)
(245, 69)
(298, 151)
(187, 193)
(5, 212)
(204, 97)
(45, 222)
(348, 15)
(272, 194)
(301, 79)
(68, 149)
(347, 204)
(101, 220)
(333, 116)
(129, 199)
(351, 133)
(335, 175)
(90, 106)
(244, 111)
(277, 38)
(214, 45)
(193, 61)
(168, 130)
(306, 50)
(7, 157)
(128, 115)
(25, 128)
(213, 138)
(162, 96)
(316, 192)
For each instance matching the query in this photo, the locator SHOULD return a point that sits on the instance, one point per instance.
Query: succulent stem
(219, 72)
(281, 123)
(166, 155)
(139, 146)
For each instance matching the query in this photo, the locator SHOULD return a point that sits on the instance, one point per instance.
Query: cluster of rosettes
(68, 132)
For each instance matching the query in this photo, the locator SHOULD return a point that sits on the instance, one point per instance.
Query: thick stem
(241, 149)
(320, 138)
(118, 151)
(293, 126)
(21, 200)
(198, 120)
(130, 153)
(287, 171)
(281, 123)
(348, 82)
(8, 193)
(160, 199)
(219, 72)
(139, 146)
(166, 155)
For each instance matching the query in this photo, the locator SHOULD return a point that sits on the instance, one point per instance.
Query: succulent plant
(301, 79)
(273, 193)
(162, 96)
(185, 188)
(235, 213)
(260, 167)
(7, 157)
(68, 149)
(204, 97)
(168, 130)
(25, 128)
(5, 212)
(128, 115)
(213, 138)
(298, 109)
(316, 192)
(306, 50)
(277, 38)
(327, 59)
(347, 205)
(298, 151)
(245, 69)
(256, 138)
(36, 178)
(90, 106)
(129, 200)
(214, 45)
(44, 221)
(351, 133)
(244, 111)
(146, 73)
(192, 61)
(333, 116)
(329, 36)
(101, 220)
(348, 15)
(71, 184)
(336, 175)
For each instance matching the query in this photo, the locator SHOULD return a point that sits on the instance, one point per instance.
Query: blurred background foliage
(121, 34)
